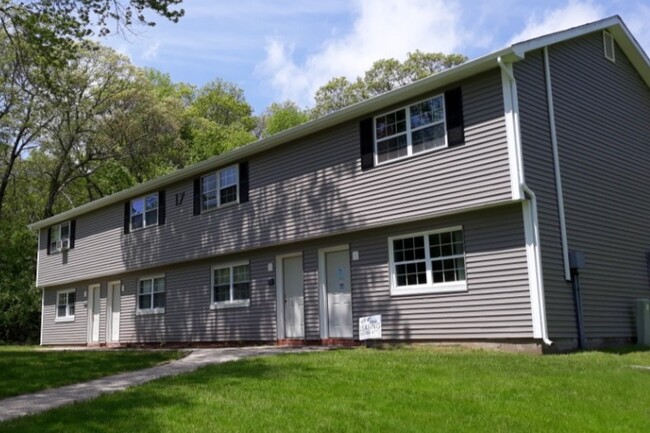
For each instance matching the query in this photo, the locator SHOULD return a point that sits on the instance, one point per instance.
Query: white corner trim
(556, 166)
(534, 264)
(512, 119)
(43, 311)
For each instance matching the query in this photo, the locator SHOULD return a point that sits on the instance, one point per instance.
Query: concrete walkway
(29, 404)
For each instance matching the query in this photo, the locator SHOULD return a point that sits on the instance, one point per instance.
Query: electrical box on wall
(577, 259)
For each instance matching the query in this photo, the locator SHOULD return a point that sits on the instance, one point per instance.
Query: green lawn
(27, 369)
(365, 390)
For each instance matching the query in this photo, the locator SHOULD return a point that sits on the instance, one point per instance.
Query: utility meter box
(643, 322)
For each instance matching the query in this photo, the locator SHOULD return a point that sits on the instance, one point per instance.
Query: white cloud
(151, 52)
(573, 14)
(382, 29)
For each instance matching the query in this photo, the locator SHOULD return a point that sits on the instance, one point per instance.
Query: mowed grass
(366, 390)
(25, 370)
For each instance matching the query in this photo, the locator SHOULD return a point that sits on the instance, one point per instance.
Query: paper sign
(370, 327)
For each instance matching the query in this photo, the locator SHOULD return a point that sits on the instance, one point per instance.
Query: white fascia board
(363, 108)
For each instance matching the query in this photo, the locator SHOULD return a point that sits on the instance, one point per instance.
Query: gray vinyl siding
(64, 332)
(305, 189)
(496, 305)
(603, 128)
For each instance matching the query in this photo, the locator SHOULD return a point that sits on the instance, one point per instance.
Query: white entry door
(292, 292)
(93, 313)
(113, 299)
(339, 296)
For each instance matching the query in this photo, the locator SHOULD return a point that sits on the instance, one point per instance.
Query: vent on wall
(608, 44)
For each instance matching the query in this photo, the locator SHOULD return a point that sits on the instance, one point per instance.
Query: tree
(384, 75)
(220, 120)
(280, 116)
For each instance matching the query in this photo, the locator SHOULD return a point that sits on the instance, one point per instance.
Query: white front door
(339, 296)
(113, 299)
(292, 294)
(93, 313)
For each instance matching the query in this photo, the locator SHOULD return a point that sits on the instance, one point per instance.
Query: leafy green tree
(384, 75)
(279, 117)
(220, 120)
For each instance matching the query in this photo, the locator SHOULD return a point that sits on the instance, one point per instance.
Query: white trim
(43, 311)
(68, 317)
(239, 303)
(556, 166)
(322, 285)
(430, 287)
(110, 288)
(368, 226)
(511, 131)
(279, 291)
(232, 303)
(38, 261)
(160, 310)
(409, 130)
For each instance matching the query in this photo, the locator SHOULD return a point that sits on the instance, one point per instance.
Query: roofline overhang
(514, 53)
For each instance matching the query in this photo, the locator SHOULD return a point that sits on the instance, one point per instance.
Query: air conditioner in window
(63, 244)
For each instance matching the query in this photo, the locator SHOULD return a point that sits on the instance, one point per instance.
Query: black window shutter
(454, 111)
(197, 196)
(161, 207)
(73, 232)
(49, 240)
(127, 217)
(367, 145)
(243, 182)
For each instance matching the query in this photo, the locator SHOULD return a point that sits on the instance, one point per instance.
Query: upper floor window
(65, 303)
(219, 188)
(410, 130)
(144, 211)
(151, 295)
(231, 285)
(59, 237)
(428, 262)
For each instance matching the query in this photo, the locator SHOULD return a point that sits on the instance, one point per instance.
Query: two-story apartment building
(452, 207)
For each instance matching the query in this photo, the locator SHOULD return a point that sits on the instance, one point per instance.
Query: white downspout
(533, 222)
(556, 166)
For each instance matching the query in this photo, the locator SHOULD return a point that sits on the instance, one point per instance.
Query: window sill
(230, 304)
(222, 206)
(430, 290)
(150, 311)
(64, 319)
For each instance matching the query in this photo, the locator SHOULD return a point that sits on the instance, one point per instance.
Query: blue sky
(279, 49)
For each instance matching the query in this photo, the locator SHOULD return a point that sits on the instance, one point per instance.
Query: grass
(26, 369)
(365, 390)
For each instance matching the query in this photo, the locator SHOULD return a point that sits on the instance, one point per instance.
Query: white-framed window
(410, 130)
(144, 211)
(219, 188)
(60, 237)
(231, 285)
(151, 295)
(65, 305)
(427, 262)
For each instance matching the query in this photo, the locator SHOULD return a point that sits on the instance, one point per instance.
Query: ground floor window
(65, 300)
(231, 285)
(151, 295)
(432, 261)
